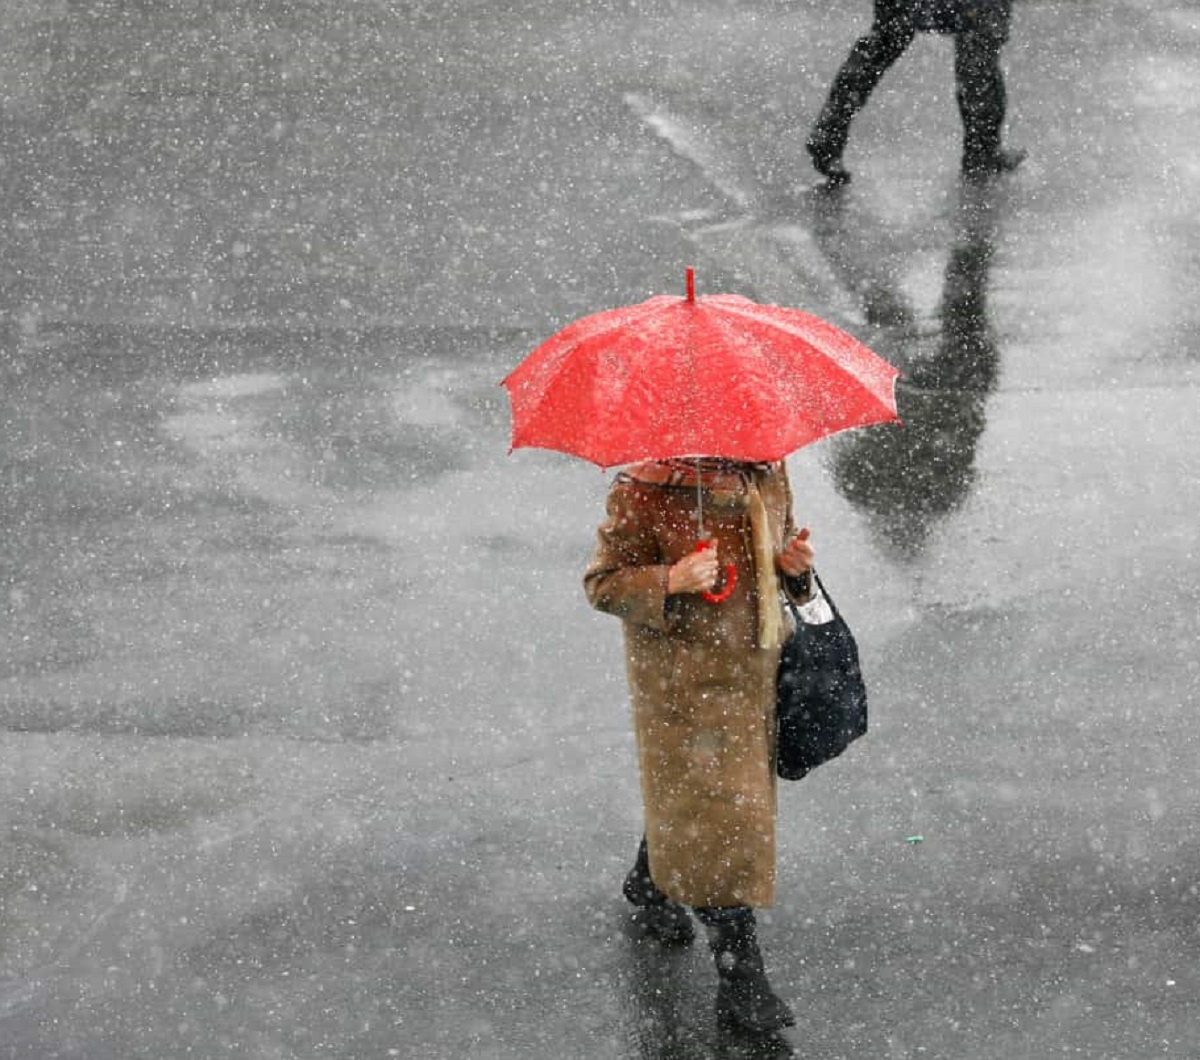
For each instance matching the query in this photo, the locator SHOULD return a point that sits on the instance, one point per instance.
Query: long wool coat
(702, 689)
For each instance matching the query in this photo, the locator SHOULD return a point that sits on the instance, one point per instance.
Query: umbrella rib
(566, 341)
(844, 341)
(559, 357)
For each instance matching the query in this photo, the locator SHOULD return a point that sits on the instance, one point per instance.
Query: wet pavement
(310, 746)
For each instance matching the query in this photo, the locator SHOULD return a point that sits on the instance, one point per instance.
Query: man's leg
(891, 32)
(982, 98)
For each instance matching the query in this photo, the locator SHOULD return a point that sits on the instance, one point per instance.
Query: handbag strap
(837, 615)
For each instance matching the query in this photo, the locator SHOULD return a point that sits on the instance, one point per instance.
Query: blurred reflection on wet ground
(908, 478)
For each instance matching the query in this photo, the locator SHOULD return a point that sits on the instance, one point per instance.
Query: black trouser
(980, 34)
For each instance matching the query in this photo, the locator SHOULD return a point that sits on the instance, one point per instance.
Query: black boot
(657, 915)
(744, 997)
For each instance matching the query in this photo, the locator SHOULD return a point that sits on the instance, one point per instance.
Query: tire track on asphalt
(13, 998)
(771, 259)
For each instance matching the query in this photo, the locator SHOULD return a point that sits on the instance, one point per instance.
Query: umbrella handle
(715, 596)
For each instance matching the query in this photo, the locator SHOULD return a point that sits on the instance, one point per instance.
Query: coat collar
(713, 473)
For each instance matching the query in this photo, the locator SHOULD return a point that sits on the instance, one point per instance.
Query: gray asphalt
(309, 746)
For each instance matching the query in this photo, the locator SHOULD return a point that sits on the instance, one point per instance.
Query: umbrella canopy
(718, 375)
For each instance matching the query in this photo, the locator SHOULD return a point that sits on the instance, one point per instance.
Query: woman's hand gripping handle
(698, 571)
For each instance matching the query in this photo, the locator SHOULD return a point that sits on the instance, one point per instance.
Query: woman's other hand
(695, 573)
(797, 555)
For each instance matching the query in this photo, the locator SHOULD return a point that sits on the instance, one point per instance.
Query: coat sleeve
(799, 590)
(627, 576)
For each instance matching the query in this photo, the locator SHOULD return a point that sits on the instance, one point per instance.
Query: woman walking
(702, 683)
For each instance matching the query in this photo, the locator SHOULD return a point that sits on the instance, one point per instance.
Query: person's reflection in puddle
(906, 478)
(671, 1016)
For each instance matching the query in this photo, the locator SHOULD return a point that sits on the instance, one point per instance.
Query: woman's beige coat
(703, 690)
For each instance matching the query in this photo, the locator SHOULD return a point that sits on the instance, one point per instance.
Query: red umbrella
(717, 375)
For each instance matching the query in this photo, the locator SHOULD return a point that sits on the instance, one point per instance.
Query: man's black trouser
(982, 29)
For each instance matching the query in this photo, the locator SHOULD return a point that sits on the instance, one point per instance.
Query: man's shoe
(826, 163)
(984, 167)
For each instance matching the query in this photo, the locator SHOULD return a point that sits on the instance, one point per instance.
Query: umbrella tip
(691, 283)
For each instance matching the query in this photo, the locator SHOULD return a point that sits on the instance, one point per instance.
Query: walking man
(980, 29)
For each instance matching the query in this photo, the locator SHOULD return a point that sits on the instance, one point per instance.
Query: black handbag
(821, 699)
